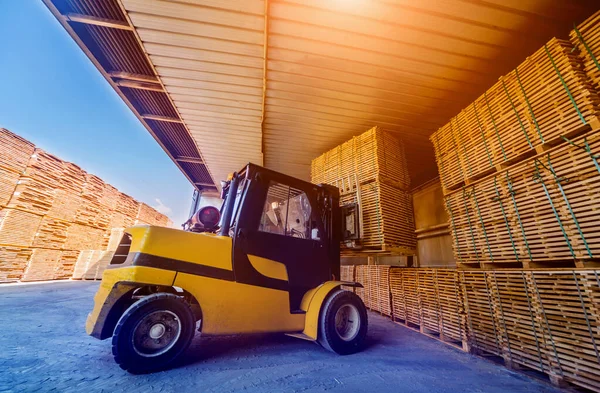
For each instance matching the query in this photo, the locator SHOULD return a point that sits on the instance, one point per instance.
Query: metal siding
(333, 69)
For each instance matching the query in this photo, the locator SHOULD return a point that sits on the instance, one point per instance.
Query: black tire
(343, 340)
(167, 317)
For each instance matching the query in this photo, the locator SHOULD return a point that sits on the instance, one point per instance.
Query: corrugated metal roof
(334, 68)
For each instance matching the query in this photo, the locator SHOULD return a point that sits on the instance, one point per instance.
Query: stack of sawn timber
(520, 165)
(546, 320)
(56, 220)
(374, 164)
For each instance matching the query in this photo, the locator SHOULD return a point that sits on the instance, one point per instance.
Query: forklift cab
(291, 223)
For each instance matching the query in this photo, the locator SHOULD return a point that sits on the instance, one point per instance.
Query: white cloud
(162, 208)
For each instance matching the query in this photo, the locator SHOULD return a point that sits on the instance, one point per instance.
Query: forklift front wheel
(152, 333)
(343, 323)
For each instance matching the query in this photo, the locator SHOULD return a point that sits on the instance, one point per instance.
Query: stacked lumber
(346, 274)
(54, 214)
(13, 262)
(586, 39)
(15, 151)
(8, 182)
(371, 170)
(376, 288)
(540, 212)
(18, 227)
(546, 97)
(544, 320)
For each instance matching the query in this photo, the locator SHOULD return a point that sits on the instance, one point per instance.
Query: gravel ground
(45, 349)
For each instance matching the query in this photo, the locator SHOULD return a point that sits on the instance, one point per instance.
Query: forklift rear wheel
(152, 333)
(343, 323)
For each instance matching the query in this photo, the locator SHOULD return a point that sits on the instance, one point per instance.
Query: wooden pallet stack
(543, 320)
(587, 40)
(520, 166)
(429, 300)
(51, 211)
(546, 97)
(376, 288)
(372, 168)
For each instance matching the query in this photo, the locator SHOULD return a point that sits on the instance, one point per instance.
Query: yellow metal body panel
(311, 304)
(231, 308)
(108, 293)
(268, 267)
(201, 248)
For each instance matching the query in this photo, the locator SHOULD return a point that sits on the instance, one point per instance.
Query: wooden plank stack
(520, 165)
(53, 215)
(546, 97)
(376, 288)
(429, 301)
(374, 165)
(586, 39)
(544, 320)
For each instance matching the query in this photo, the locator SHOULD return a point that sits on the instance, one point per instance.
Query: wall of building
(434, 243)
(56, 220)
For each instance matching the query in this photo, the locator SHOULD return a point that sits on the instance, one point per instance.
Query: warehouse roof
(220, 83)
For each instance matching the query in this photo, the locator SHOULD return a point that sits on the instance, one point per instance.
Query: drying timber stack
(519, 166)
(56, 220)
(543, 320)
(371, 171)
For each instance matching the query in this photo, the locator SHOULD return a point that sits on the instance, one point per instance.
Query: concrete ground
(44, 348)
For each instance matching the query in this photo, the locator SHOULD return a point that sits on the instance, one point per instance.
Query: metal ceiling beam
(205, 185)
(191, 160)
(133, 77)
(93, 20)
(149, 116)
(139, 85)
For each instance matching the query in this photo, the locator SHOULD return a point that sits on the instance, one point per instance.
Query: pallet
(373, 165)
(507, 219)
(586, 38)
(526, 111)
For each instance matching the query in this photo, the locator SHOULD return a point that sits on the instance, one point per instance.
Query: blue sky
(52, 95)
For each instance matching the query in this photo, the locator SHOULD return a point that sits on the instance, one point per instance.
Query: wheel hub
(156, 333)
(347, 322)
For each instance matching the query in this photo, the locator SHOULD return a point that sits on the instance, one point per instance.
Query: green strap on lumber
(516, 114)
(564, 84)
(511, 191)
(532, 319)
(587, 48)
(559, 181)
(470, 226)
(449, 206)
(482, 135)
(538, 178)
(587, 149)
(482, 224)
(460, 136)
(537, 127)
(498, 198)
(591, 330)
(487, 104)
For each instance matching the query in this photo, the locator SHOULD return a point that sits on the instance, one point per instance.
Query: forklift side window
(286, 212)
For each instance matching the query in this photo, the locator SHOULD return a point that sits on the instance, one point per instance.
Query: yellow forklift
(268, 261)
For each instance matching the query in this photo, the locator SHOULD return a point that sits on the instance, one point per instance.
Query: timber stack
(370, 171)
(544, 319)
(56, 220)
(519, 166)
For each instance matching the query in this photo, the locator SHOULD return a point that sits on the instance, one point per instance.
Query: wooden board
(546, 97)
(587, 40)
(508, 218)
(15, 151)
